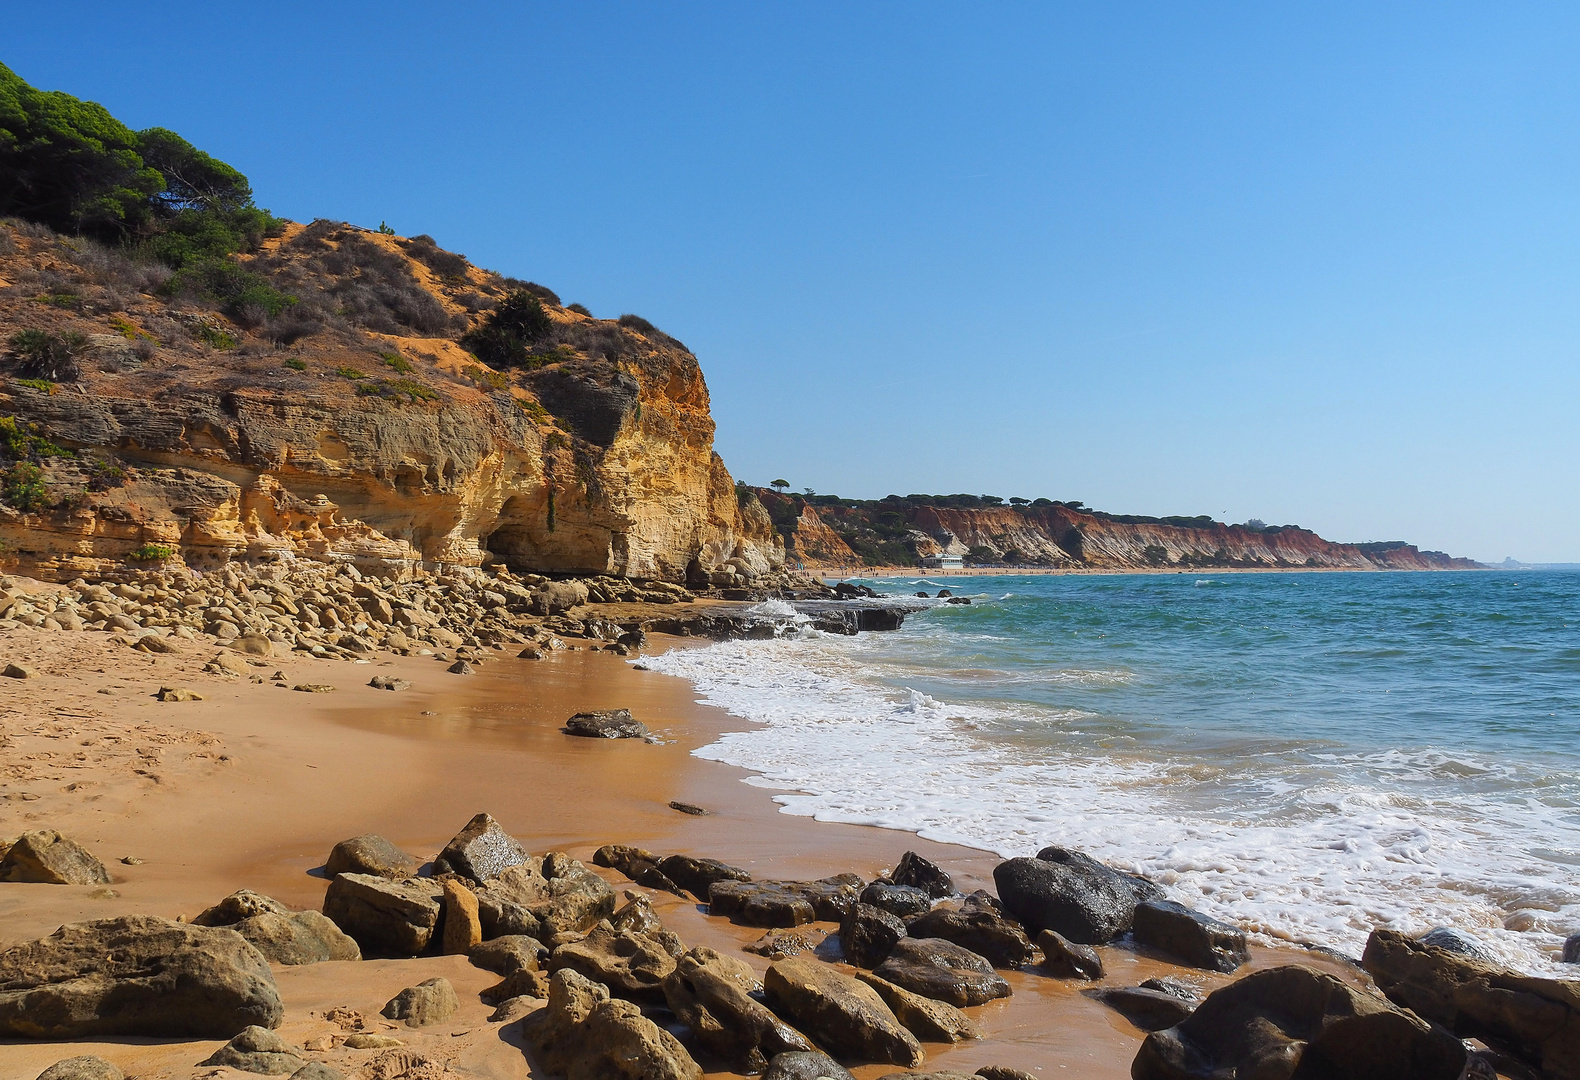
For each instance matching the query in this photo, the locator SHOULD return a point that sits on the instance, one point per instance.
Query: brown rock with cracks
(84, 1067)
(928, 1020)
(845, 1017)
(429, 1002)
(544, 897)
(943, 971)
(710, 993)
(509, 954)
(632, 966)
(462, 927)
(283, 936)
(370, 854)
(45, 857)
(258, 1050)
(481, 850)
(387, 918)
(985, 932)
(584, 1035)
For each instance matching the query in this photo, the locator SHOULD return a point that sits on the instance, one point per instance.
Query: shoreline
(836, 573)
(254, 785)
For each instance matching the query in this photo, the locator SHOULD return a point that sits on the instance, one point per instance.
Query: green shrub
(506, 334)
(1155, 555)
(488, 380)
(385, 229)
(151, 553)
(296, 365)
(349, 373)
(103, 475)
(637, 323)
(580, 309)
(397, 390)
(67, 300)
(38, 384)
(43, 354)
(537, 412)
(22, 487)
(22, 441)
(213, 336)
(398, 362)
(246, 296)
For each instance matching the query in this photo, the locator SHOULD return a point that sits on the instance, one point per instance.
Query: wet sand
(251, 787)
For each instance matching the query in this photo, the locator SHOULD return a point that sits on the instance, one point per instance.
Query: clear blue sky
(1313, 263)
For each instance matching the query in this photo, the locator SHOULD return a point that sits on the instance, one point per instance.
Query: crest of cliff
(824, 530)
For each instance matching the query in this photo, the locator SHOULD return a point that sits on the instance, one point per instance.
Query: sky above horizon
(1313, 264)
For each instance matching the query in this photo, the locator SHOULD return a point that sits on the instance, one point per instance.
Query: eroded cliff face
(185, 429)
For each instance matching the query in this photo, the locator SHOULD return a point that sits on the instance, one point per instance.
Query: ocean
(1306, 755)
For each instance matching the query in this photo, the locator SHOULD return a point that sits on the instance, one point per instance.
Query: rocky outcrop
(135, 975)
(976, 926)
(927, 1018)
(868, 934)
(544, 897)
(632, 965)
(784, 903)
(481, 850)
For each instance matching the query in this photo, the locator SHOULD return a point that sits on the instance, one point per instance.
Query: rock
(225, 663)
(902, 900)
(1076, 896)
(632, 966)
(710, 993)
(920, 873)
(542, 898)
(429, 1002)
(1147, 1009)
(928, 1020)
(1164, 985)
(844, 1016)
(531, 984)
(253, 645)
(1065, 959)
(803, 1065)
(317, 1070)
(370, 854)
(480, 851)
(784, 903)
(177, 693)
(1444, 937)
(461, 667)
(943, 971)
(637, 916)
(85, 1067)
(135, 975)
(610, 724)
(46, 857)
(17, 671)
(257, 1050)
(314, 688)
(689, 808)
(462, 927)
(1571, 953)
(622, 857)
(697, 876)
(1190, 936)
(153, 643)
(509, 954)
(867, 934)
(388, 682)
(387, 918)
(365, 1041)
(529, 653)
(283, 936)
(780, 945)
(583, 1035)
(1003, 1072)
(1535, 1020)
(1293, 1021)
(984, 932)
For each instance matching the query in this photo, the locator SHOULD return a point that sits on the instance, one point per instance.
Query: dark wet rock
(370, 854)
(802, 1065)
(902, 900)
(482, 850)
(632, 966)
(45, 857)
(584, 1035)
(1571, 951)
(431, 1001)
(1149, 1010)
(258, 1050)
(689, 808)
(867, 934)
(781, 944)
(135, 975)
(927, 1019)
(711, 994)
(958, 600)
(921, 873)
(1535, 1020)
(386, 918)
(1072, 894)
(610, 724)
(283, 936)
(981, 930)
(83, 1067)
(844, 1016)
(943, 971)
(1293, 1021)
(1454, 941)
(1189, 936)
(696, 876)
(509, 954)
(1173, 987)
(639, 865)
(784, 903)
(1064, 959)
(543, 898)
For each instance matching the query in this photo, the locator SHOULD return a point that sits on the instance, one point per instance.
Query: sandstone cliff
(348, 424)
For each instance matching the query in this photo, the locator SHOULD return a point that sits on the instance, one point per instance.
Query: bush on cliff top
(506, 335)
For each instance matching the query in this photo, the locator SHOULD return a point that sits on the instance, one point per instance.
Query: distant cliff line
(825, 530)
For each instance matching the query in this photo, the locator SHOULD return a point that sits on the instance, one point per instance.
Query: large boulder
(632, 966)
(371, 854)
(431, 1001)
(927, 1019)
(557, 597)
(387, 918)
(696, 876)
(979, 928)
(784, 903)
(902, 900)
(45, 857)
(920, 873)
(1072, 894)
(943, 971)
(867, 934)
(544, 897)
(135, 975)
(806, 1065)
(258, 1050)
(1190, 936)
(509, 954)
(844, 1016)
(1289, 1022)
(582, 1034)
(481, 850)
(711, 994)
(1533, 1019)
(283, 936)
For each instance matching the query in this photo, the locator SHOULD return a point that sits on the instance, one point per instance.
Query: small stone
(314, 688)
(689, 808)
(177, 693)
(1065, 959)
(1571, 952)
(529, 653)
(388, 682)
(461, 667)
(610, 724)
(131, 860)
(257, 1050)
(429, 1002)
(364, 1041)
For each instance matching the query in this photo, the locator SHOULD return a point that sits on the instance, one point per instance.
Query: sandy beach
(252, 786)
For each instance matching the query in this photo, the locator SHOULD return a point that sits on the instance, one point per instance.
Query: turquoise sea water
(1310, 755)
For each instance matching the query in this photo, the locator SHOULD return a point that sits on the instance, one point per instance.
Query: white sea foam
(1317, 848)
